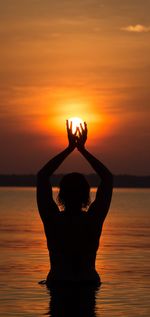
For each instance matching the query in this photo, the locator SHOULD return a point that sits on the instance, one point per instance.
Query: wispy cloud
(138, 28)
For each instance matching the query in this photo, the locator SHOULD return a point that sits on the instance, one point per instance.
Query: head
(74, 191)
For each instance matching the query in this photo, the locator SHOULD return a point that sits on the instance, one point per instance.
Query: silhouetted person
(73, 234)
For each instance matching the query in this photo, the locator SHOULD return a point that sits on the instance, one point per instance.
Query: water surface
(122, 260)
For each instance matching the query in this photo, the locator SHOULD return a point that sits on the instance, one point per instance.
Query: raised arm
(45, 202)
(101, 204)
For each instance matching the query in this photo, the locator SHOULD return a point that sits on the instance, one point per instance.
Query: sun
(76, 121)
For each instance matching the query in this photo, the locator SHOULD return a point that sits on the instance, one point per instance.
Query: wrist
(70, 148)
(81, 148)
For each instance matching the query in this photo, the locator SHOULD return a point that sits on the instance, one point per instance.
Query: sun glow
(52, 121)
(75, 123)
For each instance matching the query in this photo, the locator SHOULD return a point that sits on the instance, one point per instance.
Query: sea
(123, 260)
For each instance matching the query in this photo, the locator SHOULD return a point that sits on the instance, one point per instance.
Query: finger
(71, 126)
(85, 125)
(76, 139)
(80, 134)
(81, 126)
(67, 124)
(76, 131)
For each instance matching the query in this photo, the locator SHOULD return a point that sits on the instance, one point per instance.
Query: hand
(71, 137)
(82, 136)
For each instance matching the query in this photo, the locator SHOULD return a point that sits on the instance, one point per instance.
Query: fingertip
(85, 125)
(81, 126)
(67, 123)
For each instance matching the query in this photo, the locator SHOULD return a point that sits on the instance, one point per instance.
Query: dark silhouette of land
(120, 181)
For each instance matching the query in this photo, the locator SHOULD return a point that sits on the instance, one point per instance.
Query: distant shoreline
(120, 181)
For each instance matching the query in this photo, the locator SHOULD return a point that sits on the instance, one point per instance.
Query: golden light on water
(76, 122)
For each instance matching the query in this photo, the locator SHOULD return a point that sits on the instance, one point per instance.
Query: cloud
(138, 28)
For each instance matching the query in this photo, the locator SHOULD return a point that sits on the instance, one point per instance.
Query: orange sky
(79, 58)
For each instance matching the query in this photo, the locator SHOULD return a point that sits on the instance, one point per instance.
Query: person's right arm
(100, 206)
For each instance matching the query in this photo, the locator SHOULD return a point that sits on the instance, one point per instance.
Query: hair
(74, 190)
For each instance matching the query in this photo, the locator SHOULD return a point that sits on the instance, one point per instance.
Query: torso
(72, 242)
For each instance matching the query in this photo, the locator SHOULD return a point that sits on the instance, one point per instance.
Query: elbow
(108, 174)
(38, 178)
(40, 175)
(111, 179)
(111, 176)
